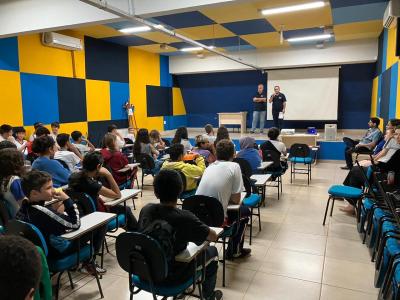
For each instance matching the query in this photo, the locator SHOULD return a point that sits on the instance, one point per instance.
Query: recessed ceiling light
(190, 49)
(292, 8)
(135, 29)
(310, 38)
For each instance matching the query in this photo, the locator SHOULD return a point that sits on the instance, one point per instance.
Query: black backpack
(164, 234)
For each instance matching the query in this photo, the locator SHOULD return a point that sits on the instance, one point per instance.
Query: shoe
(244, 253)
(218, 295)
(89, 269)
(348, 209)
(345, 168)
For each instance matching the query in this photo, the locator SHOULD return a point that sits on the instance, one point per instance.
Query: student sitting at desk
(113, 129)
(82, 144)
(86, 181)
(20, 142)
(205, 149)
(70, 158)
(223, 181)
(45, 147)
(144, 146)
(182, 137)
(273, 143)
(190, 171)
(33, 136)
(156, 140)
(188, 228)
(249, 153)
(6, 132)
(209, 133)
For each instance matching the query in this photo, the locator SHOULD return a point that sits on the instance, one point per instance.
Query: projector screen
(311, 93)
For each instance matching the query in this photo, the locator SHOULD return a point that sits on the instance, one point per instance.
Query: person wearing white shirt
(6, 132)
(120, 140)
(70, 158)
(209, 133)
(35, 126)
(20, 141)
(223, 181)
(55, 127)
(181, 137)
(81, 143)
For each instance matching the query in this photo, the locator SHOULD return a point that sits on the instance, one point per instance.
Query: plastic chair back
(146, 161)
(299, 150)
(208, 209)
(245, 166)
(275, 157)
(86, 205)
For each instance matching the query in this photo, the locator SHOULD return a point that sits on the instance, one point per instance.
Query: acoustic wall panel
(71, 100)
(119, 95)
(99, 128)
(385, 95)
(39, 98)
(9, 54)
(98, 100)
(159, 101)
(10, 87)
(106, 61)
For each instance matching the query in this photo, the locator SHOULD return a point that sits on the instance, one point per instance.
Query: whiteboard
(311, 93)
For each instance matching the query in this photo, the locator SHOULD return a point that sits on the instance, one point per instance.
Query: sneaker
(89, 269)
(218, 295)
(244, 253)
(345, 168)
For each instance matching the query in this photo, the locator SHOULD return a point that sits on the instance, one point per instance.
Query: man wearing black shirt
(278, 101)
(188, 228)
(259, 108)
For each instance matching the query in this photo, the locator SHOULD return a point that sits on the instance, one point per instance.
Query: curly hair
(11, 164)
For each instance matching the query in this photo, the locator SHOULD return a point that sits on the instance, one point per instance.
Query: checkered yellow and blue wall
(85, 90)
(385, 101)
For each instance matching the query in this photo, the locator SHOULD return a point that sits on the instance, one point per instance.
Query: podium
(233, 118)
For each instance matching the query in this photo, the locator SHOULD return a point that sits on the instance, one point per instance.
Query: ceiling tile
(249, 26)
(205, 32)
(186, 19)
(264, 40)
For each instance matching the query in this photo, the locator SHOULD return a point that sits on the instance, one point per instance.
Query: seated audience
(188, 228)
(44, 146)
(209, 133)
(7, 144)
(55, 127)
(81, 143)
(70, 158)
(35, 127)
(130, 135)
(369, 141)
(190, 171)
(56, 219)
(143, 146)
(19, 141)
(113, 129)
(181, 137)
(205, 149)
(40, 131)
(156, 140)
(223, 181)
(249, 153)
(273, 143)
(11, 168)
(6, 133)
(222, 134)
(21, 268)
(87, 181)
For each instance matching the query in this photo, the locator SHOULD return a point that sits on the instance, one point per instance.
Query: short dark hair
(168, 186)
(225, 150)
(394, 122)
(76, 135)
(111, 127)
(62, 139)
(55, 124)
(36, 125)
(376, 121)
(175, 151)
(208, 128)
(5, 128)
(11, 163)
(34, 180)
(21, 267)
(18, 129)
(91, 161)
(42, 144)
(7, 144)
(41, 131)
(273, 133)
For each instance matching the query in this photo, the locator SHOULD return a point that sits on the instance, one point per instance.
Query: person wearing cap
(205, 149)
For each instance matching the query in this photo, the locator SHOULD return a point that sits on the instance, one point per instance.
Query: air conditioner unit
(391, 14)
(330, 132)
(61, 41)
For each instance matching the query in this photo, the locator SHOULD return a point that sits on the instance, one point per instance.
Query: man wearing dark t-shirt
(259, 109)
(188, 228)
(278, 101)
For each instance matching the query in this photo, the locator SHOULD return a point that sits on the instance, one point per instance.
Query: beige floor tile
(350, 275)
(344, 249)
(293, 264)
(335, 293)
(252, 262)
(311, 228)
(237, 282)
(302, 242)
(272, 287)
(344, 231)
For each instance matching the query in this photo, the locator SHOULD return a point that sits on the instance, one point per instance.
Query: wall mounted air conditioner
(391, 14)
(57, 40)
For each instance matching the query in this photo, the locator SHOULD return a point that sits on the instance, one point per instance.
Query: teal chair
(300, 154)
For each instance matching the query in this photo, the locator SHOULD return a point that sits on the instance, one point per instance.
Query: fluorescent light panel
(190, 49)
(135, 29)
(292, 8)
(310, 38)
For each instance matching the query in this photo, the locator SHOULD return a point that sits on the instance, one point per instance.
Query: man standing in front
(259, 109)
(278, 101)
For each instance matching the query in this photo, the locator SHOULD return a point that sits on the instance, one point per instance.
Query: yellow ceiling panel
(98, 31)
(264, 40)
(205, 32)
(359, 30)
(155, 48)
(232, 12)
(158, 37)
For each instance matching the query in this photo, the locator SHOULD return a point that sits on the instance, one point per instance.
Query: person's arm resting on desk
(112, 192)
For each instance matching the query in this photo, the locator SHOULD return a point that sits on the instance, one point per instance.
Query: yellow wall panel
(391, 48)
(178, 104)
(98, 100)
(38, 59)
(374, 98)
(69, 127)
(144, 69)
(10, 87)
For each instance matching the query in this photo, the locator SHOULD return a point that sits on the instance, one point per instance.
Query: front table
(233, 118)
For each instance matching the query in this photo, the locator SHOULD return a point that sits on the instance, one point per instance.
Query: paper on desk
(281, 114)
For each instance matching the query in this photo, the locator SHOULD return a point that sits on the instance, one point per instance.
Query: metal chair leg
(98, 280)
(333, 204)
(259, 218)
(70, 280)
(251, 224)
(326, 209)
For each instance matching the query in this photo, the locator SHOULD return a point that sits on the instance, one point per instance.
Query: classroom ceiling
(239, 25)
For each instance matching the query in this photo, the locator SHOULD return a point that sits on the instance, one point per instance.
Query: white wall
(359, 51)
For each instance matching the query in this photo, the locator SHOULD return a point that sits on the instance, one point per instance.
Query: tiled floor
(293, 257)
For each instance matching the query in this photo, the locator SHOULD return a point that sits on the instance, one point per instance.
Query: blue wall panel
(173, 122)
(119, 95)
(165, 76)
(9, 54)
(393, 90)
(39, 98)
(385, 95)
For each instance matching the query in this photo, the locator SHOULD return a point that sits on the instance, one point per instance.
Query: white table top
(237, 206)
(264, 165)
(89, 223)
(128, 167)
(261, 179)
(192, 250)
(125, 195)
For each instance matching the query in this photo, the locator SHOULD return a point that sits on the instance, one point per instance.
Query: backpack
(164, 234)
